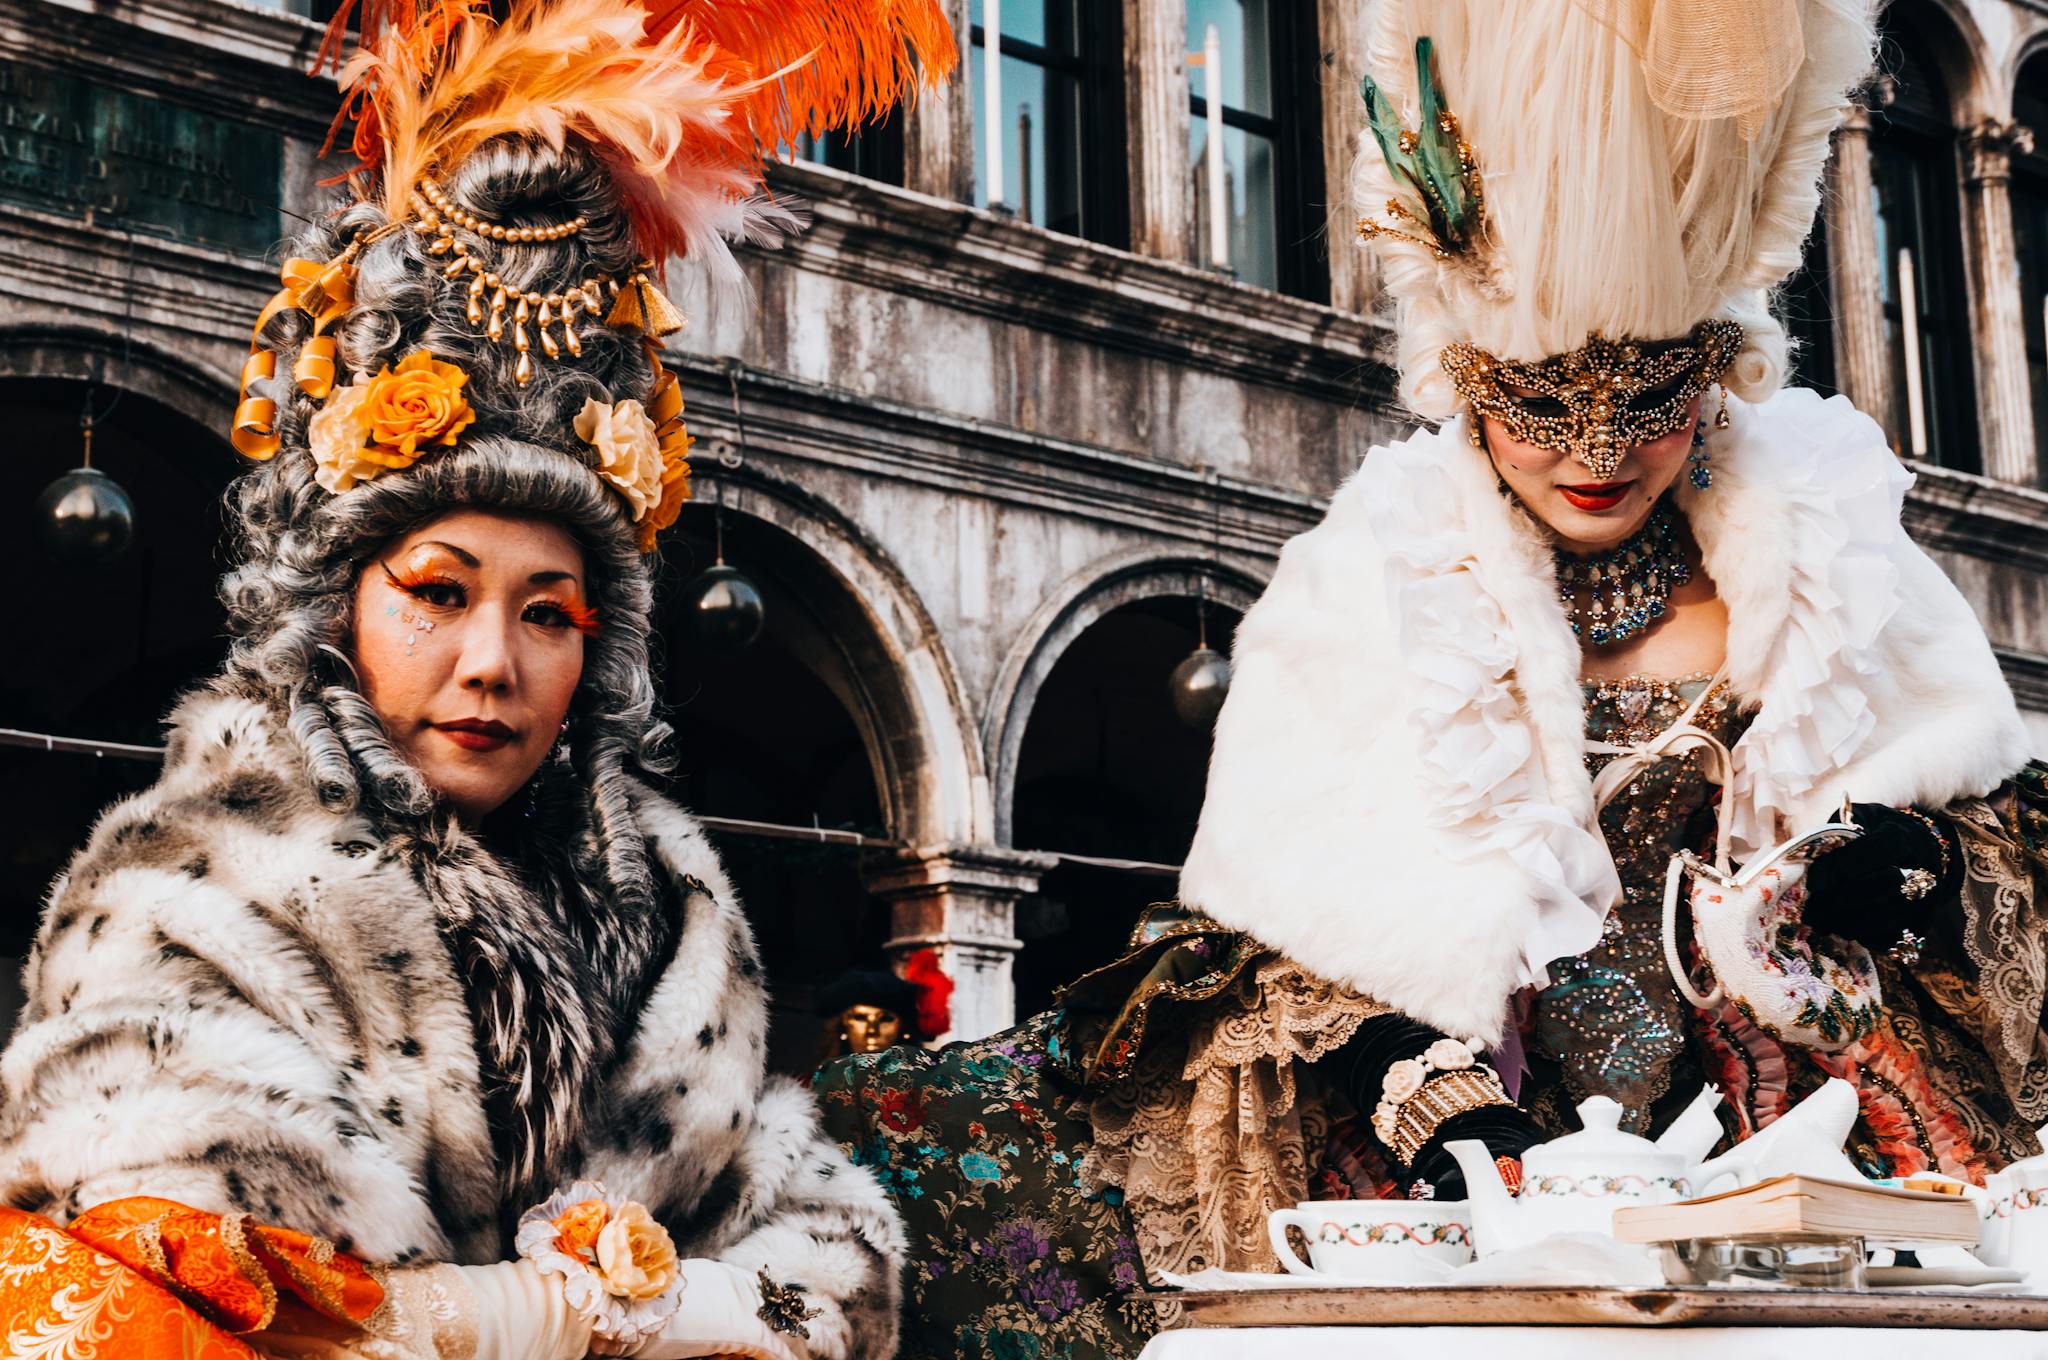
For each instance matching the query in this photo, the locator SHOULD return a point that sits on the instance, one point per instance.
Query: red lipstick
(1596, 496)
(476, 734)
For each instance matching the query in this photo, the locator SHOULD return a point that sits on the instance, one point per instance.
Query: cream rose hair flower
(628, 451)
(336, 436)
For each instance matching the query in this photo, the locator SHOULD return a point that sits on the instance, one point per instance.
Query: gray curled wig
(290, 600)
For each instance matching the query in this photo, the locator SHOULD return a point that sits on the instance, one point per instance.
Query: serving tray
(1525, 1306)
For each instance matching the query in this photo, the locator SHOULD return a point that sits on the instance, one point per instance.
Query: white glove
(521, 1314)
(720, 1316)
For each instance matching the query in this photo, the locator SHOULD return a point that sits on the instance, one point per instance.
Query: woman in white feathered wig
(403, 1016)
(1628, 598)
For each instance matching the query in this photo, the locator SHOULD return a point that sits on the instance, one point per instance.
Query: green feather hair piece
(1431, 161)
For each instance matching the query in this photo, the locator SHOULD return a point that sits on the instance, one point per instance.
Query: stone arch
(78, 353)
(1071, 608)
(1979, 86)
(901, 685)
(2030, 48)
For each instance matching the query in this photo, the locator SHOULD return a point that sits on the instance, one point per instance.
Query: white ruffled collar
(1799, 532)
(1470, 584)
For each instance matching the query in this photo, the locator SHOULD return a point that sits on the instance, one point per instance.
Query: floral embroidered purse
(1816, 991)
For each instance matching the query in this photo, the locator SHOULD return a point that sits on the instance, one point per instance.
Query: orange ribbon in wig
(323, 290)
(665, 409)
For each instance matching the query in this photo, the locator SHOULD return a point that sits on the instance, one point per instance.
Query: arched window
(772, 734)
(2030, 233)
(1919, 239)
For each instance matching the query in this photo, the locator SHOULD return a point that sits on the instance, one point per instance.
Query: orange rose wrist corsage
(618, 1266)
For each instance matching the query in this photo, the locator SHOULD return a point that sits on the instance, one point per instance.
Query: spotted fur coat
(242, 1001)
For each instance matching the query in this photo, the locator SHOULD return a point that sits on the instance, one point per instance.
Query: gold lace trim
(1211, 1133)
(2005, 932)
(427, 1311)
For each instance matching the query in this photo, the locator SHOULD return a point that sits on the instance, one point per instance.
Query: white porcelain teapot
(1575, 1183)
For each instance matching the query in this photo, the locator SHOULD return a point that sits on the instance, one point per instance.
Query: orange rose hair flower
(418, 403)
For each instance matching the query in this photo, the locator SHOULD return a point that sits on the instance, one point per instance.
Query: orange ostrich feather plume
(840, 64)
(684, 99)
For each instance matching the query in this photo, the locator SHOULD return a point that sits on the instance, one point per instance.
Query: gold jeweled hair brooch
(1601, 400)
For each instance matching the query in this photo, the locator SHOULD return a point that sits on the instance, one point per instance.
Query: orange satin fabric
(141, 1278)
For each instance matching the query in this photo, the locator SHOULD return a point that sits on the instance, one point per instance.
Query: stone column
(962, 901)
(1156, 110)
(2005, 410)
(1341, 29)
(1856, 274)
(938, 130)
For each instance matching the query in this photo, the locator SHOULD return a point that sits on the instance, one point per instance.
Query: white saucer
(1940, 1277)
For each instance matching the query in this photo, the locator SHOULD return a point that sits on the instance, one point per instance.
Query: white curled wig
(1618, 197)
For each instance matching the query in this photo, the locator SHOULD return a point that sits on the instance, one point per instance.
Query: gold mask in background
(869, 1029)
(1599, 401)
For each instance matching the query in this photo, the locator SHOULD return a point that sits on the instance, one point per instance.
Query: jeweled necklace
(1628, 588)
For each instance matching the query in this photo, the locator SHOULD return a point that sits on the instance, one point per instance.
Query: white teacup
(1397, 1240)
(2014, 1210)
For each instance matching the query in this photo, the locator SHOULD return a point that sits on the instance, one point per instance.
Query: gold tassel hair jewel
(643, 305)
(490, 297)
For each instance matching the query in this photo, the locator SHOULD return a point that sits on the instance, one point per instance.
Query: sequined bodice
(1611, 1019)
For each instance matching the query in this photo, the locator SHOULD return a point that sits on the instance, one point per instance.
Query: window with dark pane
(1272, 161)
(1061, 76)
(873, 152)
(1914, 177)
(2030, 231)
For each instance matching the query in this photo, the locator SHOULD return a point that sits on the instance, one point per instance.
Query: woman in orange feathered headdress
(402, 1016)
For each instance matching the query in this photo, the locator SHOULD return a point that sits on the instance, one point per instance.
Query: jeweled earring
(1472, 430)
(1698, 460)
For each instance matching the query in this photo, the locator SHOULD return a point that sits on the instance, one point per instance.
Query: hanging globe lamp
(85, 517)
(723, 605)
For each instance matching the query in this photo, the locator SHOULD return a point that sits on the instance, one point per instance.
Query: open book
(1806, 1205)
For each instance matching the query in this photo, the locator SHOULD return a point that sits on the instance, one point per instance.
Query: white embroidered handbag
(1815, 991)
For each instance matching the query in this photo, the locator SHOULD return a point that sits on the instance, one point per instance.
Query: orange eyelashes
(582, 617)
(412, 580)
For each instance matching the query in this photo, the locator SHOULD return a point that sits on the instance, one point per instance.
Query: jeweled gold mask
(1597, 402)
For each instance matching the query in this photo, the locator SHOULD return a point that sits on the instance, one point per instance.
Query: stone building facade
(995, 468)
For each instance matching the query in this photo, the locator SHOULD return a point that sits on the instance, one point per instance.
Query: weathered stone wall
(990, 435)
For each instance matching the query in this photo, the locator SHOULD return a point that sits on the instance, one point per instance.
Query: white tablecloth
(1591, 1343)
